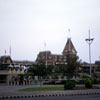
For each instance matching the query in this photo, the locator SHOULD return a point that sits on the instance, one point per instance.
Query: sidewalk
(8, 91)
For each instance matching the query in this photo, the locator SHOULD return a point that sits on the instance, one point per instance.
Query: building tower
(69, 48)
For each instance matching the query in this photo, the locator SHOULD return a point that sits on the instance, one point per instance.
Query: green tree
(37, 70)
(72, 64)
(50, 69)
(88, 83)
(40, 70)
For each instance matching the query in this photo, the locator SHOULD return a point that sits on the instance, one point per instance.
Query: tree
(72, 64)
(37, 70)
(50, 69)
(40, 69)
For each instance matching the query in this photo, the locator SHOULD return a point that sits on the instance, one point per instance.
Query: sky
(31, 26)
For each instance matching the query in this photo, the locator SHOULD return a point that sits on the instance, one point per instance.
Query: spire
(69, 48)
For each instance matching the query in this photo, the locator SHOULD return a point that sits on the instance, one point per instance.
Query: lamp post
(89, 41)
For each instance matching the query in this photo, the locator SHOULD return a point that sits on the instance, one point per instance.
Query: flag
(68, 30)
(45, 44)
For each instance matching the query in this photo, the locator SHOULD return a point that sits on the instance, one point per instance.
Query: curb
(48, 95)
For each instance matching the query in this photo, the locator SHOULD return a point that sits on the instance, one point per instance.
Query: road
(84, 97)
(11, 91)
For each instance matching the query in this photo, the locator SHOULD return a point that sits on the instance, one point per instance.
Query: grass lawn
(40, 89)
(52, 88)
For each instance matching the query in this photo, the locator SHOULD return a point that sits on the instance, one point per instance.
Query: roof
(69, 48)
(6, 60)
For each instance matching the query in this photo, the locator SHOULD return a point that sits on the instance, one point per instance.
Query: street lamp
(89, 41)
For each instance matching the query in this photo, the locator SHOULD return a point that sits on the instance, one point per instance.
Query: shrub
(51, 83)
(95, 80)
(80, 82)
(70, 84)
(88, 83)
(63, 82)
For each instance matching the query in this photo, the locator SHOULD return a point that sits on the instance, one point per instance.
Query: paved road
(11, 91)
(86, 97)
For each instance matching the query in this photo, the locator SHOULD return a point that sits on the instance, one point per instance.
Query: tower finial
(69, 32)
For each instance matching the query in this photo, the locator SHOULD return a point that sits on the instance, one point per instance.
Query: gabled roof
(69, 48)
(6, 60)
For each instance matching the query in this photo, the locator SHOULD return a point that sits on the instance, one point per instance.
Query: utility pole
(89, 41)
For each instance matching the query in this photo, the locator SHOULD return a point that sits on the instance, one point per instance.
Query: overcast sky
(26, 25)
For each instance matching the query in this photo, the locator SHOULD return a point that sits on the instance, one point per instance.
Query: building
(23, 63)
(53, 59)
(60, 60)
(98, 65)
(57, 60)
(12, 72)
(86, 68)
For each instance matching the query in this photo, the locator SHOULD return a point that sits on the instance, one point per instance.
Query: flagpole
(5, 52)
(10, 51)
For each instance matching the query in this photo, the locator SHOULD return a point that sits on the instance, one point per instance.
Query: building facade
(58, 60)
(12, 72)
